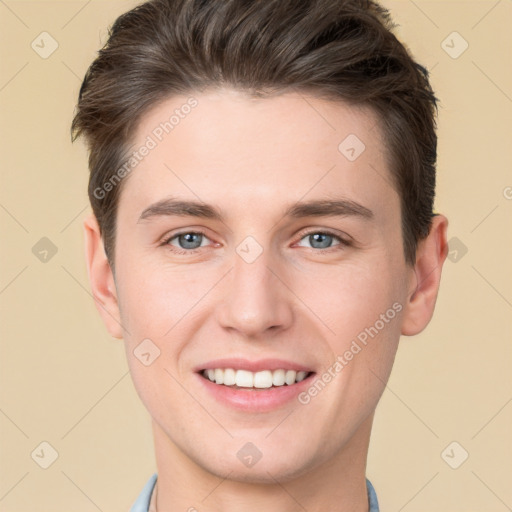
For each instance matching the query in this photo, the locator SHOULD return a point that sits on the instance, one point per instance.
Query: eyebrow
(313, 208)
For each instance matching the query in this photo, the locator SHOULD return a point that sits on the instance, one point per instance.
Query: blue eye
(323, 241)
(320, 240)
(189, 242)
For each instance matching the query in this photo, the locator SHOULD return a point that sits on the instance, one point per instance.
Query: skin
(251, 158)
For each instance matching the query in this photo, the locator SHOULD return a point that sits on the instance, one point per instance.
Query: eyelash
(343, 243)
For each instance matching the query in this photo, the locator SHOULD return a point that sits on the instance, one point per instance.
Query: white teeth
(219, 376)
(261, 380)
(290, 377)
(301, 376)
(243, 379)
(229, 377)
(278, 377)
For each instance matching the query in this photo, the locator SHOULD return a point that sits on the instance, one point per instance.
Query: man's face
(261, 286)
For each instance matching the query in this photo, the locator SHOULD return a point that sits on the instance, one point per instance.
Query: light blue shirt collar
(142, 502)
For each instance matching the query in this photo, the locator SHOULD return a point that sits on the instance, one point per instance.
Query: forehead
(224, 147)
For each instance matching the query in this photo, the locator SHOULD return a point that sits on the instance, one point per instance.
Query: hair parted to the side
(335, 49)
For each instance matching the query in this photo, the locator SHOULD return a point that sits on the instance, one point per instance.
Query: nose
(256, 302)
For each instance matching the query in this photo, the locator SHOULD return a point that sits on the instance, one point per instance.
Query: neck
(337, 484)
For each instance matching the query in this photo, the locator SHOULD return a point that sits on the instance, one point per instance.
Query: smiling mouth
(244, 379)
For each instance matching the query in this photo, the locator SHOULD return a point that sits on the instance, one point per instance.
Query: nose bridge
(255, 299)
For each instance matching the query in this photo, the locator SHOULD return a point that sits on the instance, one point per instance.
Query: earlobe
(101, 279)
(430, 256)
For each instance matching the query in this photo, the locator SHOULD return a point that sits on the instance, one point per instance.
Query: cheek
(347, 298)
(156, 307)
(362, 307)
(153, 299)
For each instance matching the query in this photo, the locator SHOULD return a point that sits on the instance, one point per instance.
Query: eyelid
(173, 234)
(166, 239)
(344, 238)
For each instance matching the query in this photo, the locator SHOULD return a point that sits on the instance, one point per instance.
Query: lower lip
(255, 400)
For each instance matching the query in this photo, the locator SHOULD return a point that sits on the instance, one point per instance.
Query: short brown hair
(336, 49)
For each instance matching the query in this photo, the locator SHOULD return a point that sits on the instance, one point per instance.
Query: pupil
(187, 240)
(323, 238)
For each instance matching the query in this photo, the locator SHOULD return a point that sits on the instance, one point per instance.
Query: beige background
(65, 381)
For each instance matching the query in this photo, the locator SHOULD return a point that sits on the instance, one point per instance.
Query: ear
(101, 278)
(425, 277)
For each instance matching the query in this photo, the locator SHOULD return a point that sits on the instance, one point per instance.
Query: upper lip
(252, 366)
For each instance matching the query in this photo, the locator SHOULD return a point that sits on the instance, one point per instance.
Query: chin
(267, 470)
